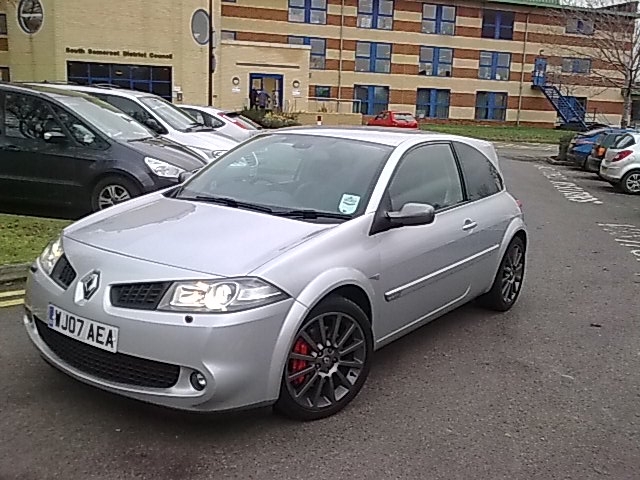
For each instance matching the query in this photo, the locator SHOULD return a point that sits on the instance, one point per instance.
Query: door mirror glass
(54, 137)
(412, 214)
(153, 124)
(184, 176)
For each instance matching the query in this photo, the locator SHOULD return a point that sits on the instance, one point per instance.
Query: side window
(129, 107)
(28, 117)
(427, 174)
(213, 122)
(480, 175)
(199, 117)
(78, 129)
(624, 142)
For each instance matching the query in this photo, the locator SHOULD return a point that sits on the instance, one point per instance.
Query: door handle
(469, 225)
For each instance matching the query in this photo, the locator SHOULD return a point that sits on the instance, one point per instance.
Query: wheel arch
(516, 228)
(114, 173)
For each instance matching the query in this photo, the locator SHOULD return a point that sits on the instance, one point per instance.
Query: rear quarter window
(624, 142)
(481, 177)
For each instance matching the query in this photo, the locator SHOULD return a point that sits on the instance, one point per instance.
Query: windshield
(310, 176)
(404, 117)
(107, 119)
(171, 114)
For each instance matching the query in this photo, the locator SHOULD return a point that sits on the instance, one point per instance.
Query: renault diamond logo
(87, 286)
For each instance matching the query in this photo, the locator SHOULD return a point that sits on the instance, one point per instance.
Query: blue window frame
(373, 57)
(227, 35)
(497, 24)
(439, 19)
(494, 66)
(436, 62)
(581, 26)
(491, 106)
(432, 103)
(375, 14)
(373, 99)
(308, 11)
(576, 65)
(318, 50)
(145, 78)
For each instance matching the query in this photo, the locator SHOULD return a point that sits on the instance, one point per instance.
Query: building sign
(30, 16)
(119, 53)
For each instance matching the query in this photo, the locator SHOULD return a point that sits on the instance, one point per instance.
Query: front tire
(111, 191)
(508, 282)
(630, 183)
(328, 363)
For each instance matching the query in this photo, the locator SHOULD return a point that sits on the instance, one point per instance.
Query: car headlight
(228, 295)
(163, 169)
(210, 154)
(49, 257)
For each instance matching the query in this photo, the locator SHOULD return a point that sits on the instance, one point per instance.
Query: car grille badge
(87, 287)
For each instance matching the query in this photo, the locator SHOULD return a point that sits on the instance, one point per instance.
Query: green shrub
(271, 119)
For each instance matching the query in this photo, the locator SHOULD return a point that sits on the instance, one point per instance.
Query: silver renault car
(273, 274)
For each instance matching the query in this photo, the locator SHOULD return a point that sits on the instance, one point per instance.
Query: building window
(432, 103)
(308, 11)
(440, 19)
(491, 106)
(318, 50)
(373, 57)
(497, 24)
(494, 65)
(373, 99)
(5, 76)
(227, 35)
(3, 24)
(580, 26)
(322, 91)
(375, 14)
(576, 65)
(436, 61)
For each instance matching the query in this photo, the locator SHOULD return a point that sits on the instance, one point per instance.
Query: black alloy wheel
(507, 284)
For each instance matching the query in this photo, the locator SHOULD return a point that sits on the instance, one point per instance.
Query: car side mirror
(154, 125)
(184, 176)
(54, 137)
(412, 214)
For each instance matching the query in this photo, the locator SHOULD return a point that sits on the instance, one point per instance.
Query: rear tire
(333, 348)
(507, 285)
(630, 183)
(113, 190)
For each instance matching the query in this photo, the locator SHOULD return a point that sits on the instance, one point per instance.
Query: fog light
(198, 381)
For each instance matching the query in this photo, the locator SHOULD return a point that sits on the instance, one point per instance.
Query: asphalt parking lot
(548, 390)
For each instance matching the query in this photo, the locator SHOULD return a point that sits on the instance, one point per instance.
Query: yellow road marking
(15, 293)
(12, 303)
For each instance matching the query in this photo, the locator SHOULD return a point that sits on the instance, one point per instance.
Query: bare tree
(608, 37)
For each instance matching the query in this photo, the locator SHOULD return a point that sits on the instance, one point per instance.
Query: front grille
(139, 296)
(115, 367)
(63, 273)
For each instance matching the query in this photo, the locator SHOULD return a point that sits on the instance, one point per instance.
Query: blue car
(582, 144)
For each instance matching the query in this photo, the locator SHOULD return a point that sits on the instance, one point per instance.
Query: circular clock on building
(30, 16)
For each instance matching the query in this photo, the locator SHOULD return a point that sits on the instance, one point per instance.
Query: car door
(424, 268)
(487, 213)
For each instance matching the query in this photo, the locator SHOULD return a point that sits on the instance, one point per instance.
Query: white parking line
(571, 191)
(626, 235)
(12, 303)
(14, 293)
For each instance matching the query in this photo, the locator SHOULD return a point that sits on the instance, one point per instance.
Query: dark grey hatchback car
(67, 148)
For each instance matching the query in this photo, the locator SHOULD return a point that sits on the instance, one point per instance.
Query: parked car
(602, 142)
(228, 122)
(621, 164)
(394, 119)
(63, 147)
(577, 126)
(162, 117)
(581, 145)
(356, 237)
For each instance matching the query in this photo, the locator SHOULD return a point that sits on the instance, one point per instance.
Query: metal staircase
(569, 111)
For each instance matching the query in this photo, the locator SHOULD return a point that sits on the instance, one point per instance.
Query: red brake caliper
(302, 348)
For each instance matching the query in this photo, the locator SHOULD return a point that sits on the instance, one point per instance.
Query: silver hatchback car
(273, 274)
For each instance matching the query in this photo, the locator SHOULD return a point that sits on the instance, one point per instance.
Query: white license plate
(90, 332)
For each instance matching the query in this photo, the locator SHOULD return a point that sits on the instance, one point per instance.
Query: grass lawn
(502, 133)
(22, 239)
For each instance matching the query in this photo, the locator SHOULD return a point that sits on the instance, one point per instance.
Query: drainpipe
(340, 56)
(210, 62)
(524, 61)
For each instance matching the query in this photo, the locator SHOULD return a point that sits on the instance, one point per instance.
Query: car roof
(43, 89)
(202, 107)
(120, 92)
(382, 135)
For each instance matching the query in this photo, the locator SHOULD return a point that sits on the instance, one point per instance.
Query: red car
(394, 119)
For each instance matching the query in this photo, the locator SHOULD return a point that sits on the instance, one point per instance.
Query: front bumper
(234, 352)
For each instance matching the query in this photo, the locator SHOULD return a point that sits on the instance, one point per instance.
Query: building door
(145, 78)
(373, 99)
(265, 91)
(540, 71)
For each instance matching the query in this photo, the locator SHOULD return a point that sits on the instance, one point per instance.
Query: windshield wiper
(198, 127)
(228, 202)
(311, 214)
